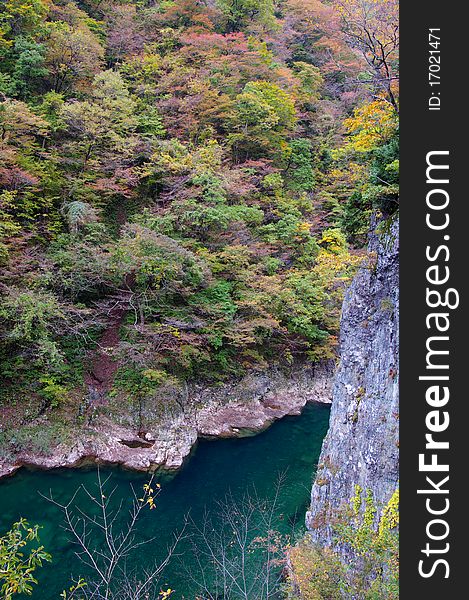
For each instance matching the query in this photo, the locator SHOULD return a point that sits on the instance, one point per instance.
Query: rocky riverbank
(165, 438)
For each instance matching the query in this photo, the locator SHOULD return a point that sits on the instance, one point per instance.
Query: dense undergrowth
(198, 176)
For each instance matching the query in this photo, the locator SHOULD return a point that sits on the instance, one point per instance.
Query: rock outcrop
(361, 446)
(234, 409)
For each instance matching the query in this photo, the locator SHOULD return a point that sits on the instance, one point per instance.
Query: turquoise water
(217, 468)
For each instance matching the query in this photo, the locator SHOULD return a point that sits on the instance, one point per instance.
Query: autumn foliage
(203, 167)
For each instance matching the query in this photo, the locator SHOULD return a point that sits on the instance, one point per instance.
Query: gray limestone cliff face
(361, 446)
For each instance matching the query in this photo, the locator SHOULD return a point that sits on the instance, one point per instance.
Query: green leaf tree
(241, 13)
(264, 116)
(20, 556)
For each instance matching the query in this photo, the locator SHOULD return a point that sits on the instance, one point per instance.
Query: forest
(186, 191)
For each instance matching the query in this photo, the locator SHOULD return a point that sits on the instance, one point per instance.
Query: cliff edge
(361, 446)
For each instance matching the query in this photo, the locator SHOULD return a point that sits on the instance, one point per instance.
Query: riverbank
(238, 467)
(161, 436)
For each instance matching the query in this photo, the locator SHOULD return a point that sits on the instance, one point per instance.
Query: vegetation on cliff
(369, 538)
(179, 181)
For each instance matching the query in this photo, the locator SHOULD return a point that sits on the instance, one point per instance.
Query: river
(290, 446)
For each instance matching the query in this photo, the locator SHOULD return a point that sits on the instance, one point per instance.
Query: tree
(314, 37)
(21, 130)
(78, 214)
(32, 322)
(19, 126)
(299, 169)
(124, 36)
(35, 329)
(372, 27)
(77, 264)
(18, 17)
(105, 545)
(74, 55)
(316, 573)
(103, 126)
(29, 70)
(238, 552)
(264, 115)
(194, 15)
(20, 556)
(373, 143)
(240, 13)
(371, 126)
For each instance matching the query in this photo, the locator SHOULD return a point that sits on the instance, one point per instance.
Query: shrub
(372, 573)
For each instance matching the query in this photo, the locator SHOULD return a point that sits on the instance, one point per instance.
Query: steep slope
(361, 446)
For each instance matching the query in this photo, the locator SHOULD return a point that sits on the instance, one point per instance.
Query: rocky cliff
(361, 446)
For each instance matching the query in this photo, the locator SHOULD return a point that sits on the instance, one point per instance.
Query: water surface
(290, 446)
